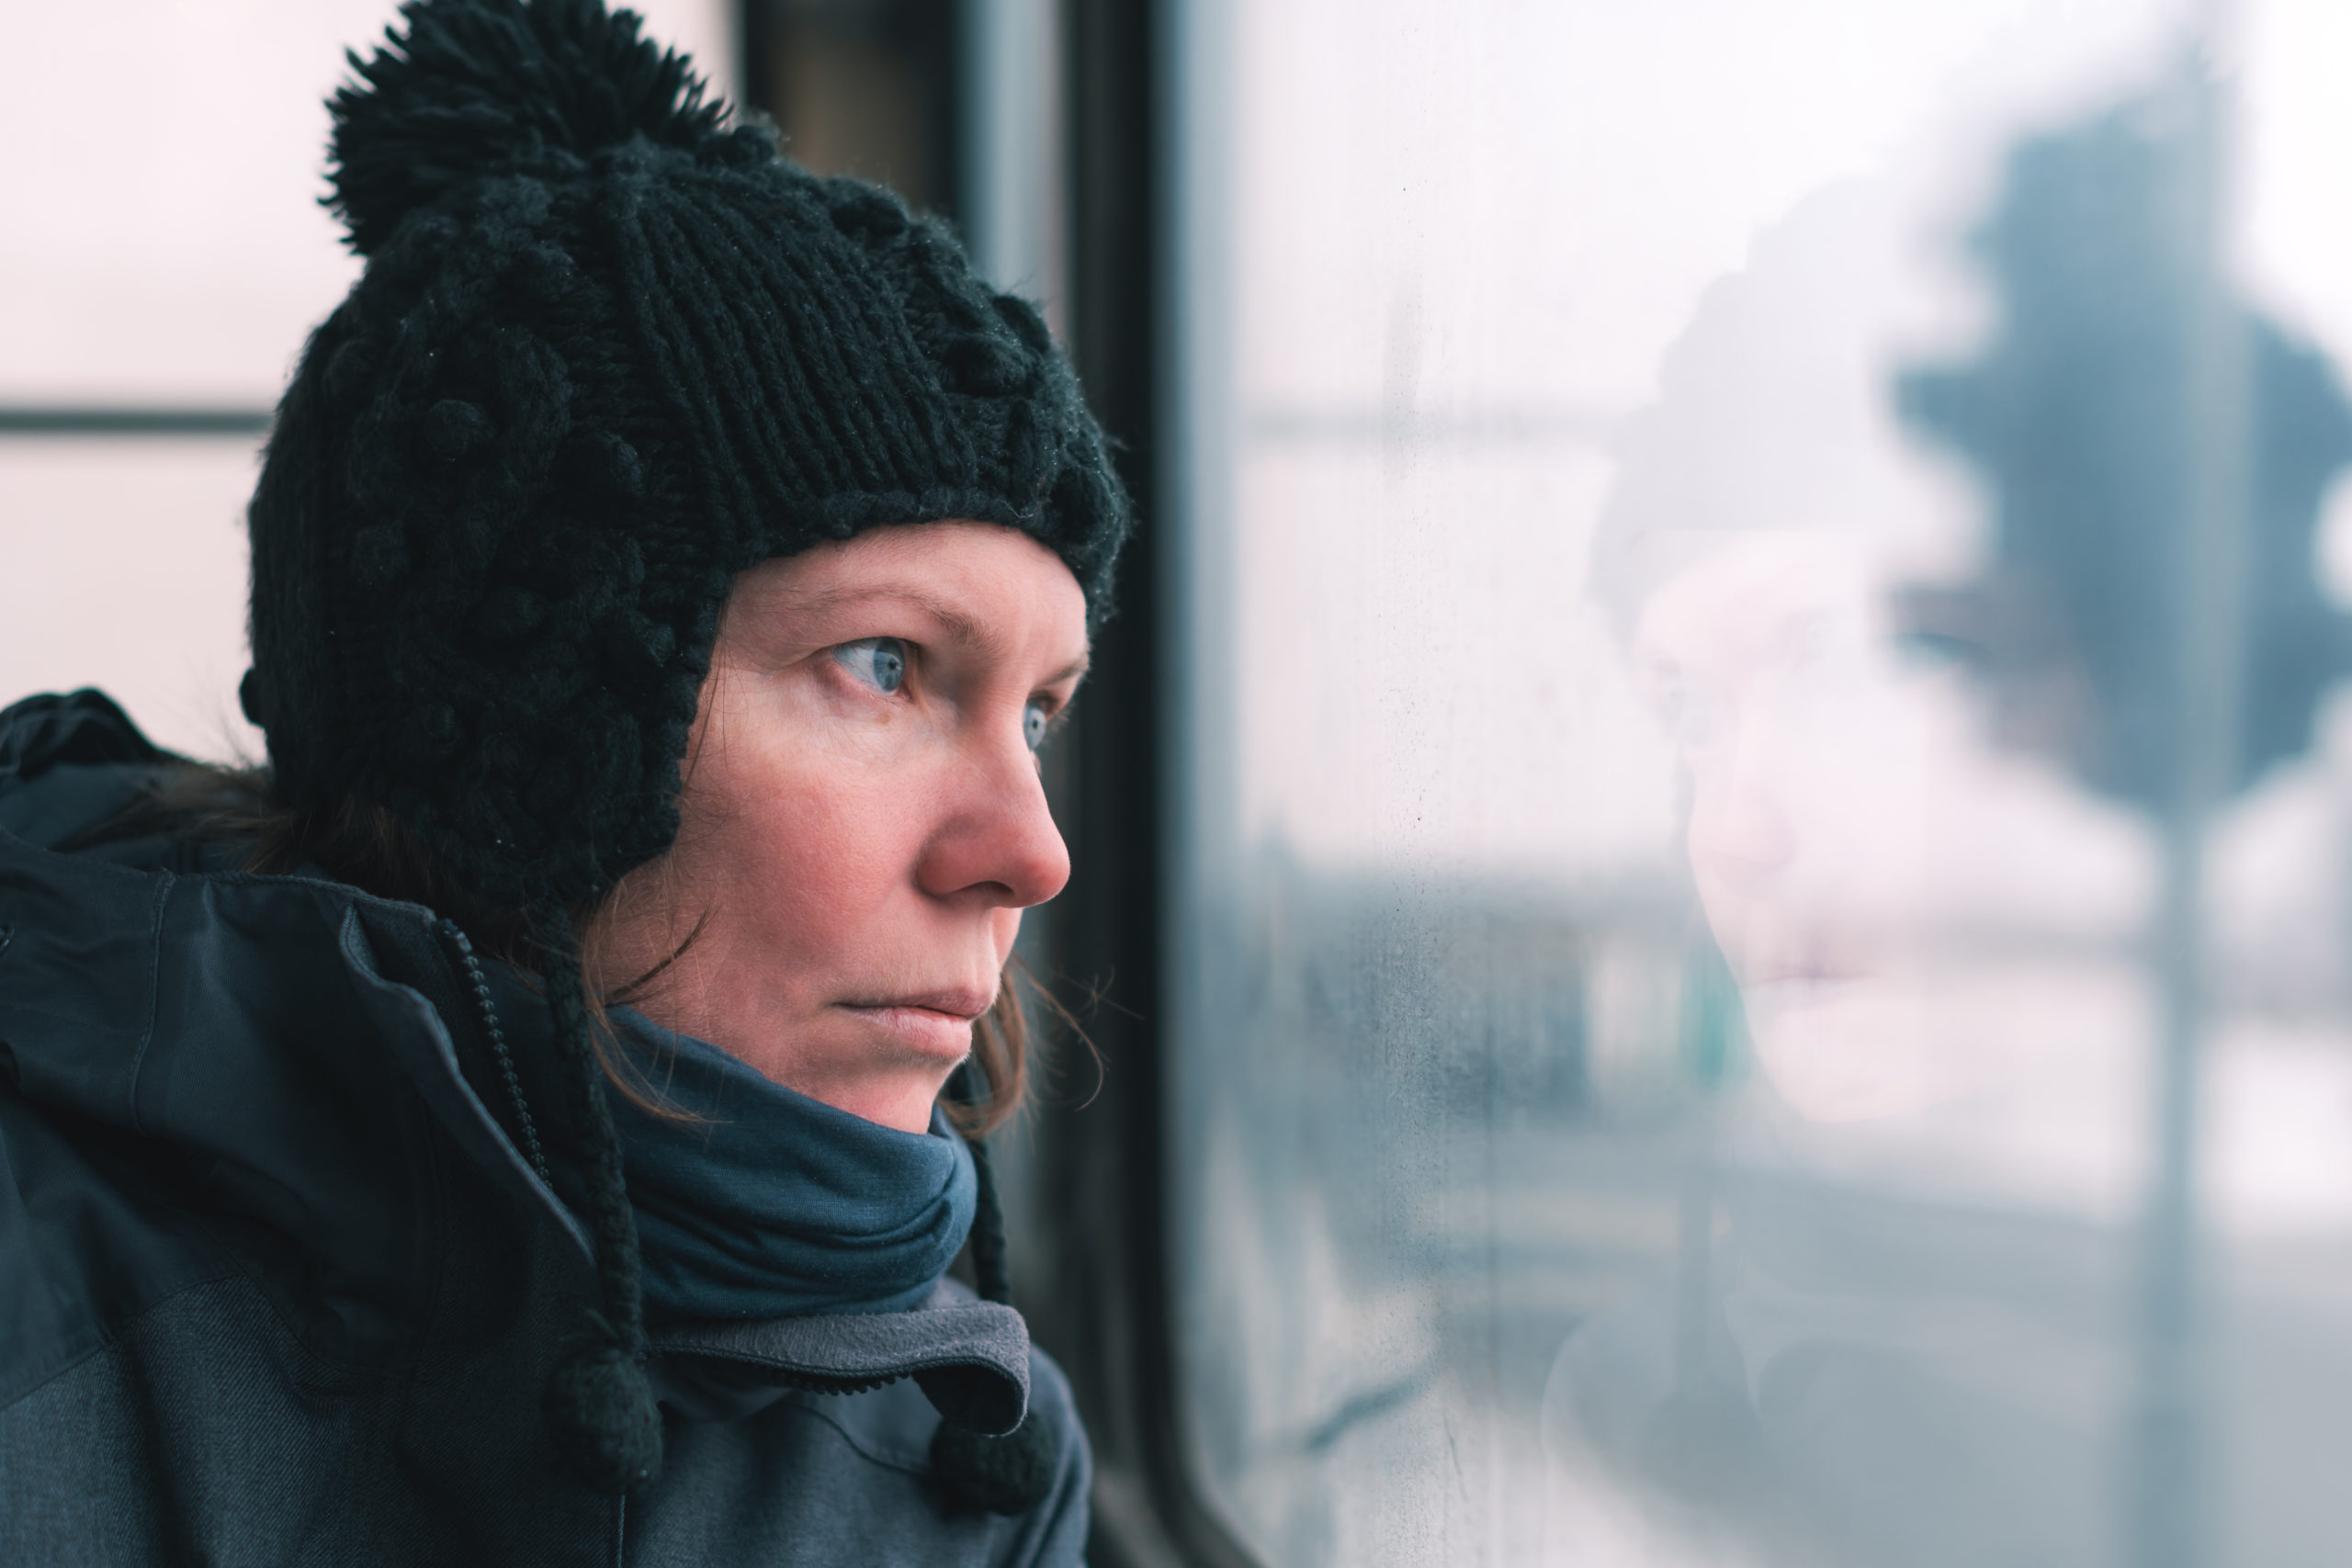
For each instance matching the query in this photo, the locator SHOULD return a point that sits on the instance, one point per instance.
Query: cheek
(1724, 911)
(1710, 838)
(802, 850)
(1725, 884)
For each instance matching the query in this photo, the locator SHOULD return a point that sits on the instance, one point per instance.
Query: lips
(959, 1003)
(935, 1022)
(1769, 952)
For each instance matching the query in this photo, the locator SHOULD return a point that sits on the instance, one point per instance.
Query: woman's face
(862, 821)
(1886, 886)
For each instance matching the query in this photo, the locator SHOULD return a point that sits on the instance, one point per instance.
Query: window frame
(1104, 1298)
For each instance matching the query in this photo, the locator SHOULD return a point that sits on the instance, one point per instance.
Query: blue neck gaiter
(768, 1204)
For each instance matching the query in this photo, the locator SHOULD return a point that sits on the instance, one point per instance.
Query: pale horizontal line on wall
(94, 419)
(1500, 428)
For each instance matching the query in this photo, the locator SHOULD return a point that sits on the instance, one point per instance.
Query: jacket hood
(267, 1052)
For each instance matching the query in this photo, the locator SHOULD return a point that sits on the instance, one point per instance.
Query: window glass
(164, 253)
(1764, 792)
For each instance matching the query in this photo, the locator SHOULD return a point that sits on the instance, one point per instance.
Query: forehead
(978, 582)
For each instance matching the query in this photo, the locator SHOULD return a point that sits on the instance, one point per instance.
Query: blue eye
(1033, 724)
(879, 662)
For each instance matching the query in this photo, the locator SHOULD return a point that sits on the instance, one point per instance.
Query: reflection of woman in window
(1923, 1315)
(558, 1079)
(1931, 939)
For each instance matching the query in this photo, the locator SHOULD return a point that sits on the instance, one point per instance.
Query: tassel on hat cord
(1012, 1473)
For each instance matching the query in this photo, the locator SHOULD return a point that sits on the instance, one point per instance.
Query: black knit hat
(606, 354)
(608, 351)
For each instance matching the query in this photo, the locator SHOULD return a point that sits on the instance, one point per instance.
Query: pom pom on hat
(476, 88)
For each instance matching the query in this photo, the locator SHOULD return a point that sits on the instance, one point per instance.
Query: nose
(997, 843)
(1739, 835)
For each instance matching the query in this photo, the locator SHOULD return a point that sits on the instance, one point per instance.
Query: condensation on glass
(1765, 849)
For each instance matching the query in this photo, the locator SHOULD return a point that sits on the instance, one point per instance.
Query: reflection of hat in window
(1773, 411)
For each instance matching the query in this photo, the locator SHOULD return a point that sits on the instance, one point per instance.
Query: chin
(904, 1104)
(1854, 1050)
(874, 1069)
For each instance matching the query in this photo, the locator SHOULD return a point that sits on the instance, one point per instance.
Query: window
(1759, 782)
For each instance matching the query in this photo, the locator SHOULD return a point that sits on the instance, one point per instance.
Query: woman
(521, 1123)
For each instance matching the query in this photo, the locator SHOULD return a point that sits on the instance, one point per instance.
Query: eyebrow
(960, 628)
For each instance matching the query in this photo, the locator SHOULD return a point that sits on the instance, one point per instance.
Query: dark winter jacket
(275, 1286)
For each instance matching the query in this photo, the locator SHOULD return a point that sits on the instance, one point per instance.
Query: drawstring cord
(599, 1404)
